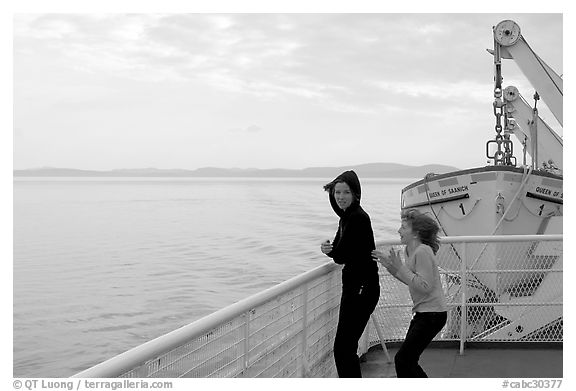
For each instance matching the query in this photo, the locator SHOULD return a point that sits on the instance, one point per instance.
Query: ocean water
(102, 265)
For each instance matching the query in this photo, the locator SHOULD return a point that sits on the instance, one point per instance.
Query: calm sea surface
(102, 265)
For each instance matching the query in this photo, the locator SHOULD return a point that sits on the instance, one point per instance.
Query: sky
(100, 91)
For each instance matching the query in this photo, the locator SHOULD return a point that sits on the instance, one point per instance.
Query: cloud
(247, 130)
(461, 90)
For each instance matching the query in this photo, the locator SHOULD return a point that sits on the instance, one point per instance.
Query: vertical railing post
(381, 337)
(304, 350)
(246, 341)
(463, 286)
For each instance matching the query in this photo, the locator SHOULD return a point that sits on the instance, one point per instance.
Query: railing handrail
(123, 362)
(482, 239)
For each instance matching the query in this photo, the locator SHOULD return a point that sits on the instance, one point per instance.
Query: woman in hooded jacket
(352, 247)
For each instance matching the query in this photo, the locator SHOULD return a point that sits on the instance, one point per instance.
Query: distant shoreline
(372, 170)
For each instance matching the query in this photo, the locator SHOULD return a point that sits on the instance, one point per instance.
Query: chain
(501, 157)
(498, 104)
(498, 111)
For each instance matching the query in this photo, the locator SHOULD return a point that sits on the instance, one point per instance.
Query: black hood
(351, 179)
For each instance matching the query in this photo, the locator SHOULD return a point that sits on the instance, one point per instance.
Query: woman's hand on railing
(326, 247)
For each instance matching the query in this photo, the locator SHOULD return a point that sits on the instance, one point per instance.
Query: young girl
(419, 233)
(352, 247)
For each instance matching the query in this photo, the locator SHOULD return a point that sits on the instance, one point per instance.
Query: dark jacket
(354, 241)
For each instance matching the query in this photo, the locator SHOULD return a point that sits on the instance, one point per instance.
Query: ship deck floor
(530, 360)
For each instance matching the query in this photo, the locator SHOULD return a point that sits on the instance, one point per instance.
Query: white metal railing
(512, 291)
(248, 338)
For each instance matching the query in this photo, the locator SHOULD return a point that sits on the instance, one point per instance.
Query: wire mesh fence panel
(322, 317)
(216, 353)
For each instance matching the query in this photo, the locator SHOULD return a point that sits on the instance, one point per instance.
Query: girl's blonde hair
(424, 226)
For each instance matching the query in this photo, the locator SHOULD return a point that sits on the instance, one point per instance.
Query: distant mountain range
(371, 170)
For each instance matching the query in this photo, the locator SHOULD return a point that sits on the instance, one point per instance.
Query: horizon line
(230, 168)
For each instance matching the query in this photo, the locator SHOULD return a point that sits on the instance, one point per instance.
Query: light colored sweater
(420, 273)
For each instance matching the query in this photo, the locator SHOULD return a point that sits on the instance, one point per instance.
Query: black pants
(356, 306)
(423, 328)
